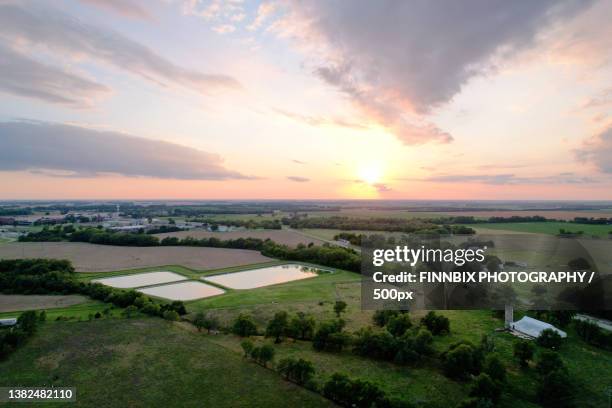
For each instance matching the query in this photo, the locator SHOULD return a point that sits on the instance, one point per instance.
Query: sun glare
(370, 173)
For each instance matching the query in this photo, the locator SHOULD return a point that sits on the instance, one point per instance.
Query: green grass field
(551, 228)
(145, 363)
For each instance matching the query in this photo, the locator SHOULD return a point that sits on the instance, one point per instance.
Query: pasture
(286, 237)
(10, 303)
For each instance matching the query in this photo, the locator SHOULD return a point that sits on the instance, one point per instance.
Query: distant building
(532, 328)
(8, 322)
(7, 221)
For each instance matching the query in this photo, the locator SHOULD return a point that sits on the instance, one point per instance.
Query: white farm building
(533, 328)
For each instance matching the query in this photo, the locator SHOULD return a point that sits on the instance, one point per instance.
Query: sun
(370, 173)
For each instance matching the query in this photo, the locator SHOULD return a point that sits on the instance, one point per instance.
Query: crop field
(286, 237)
(543, 228)
(146, 363)
(10, 303)
(99, 258)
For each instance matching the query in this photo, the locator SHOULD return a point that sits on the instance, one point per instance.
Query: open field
(10, 303)
(287, 237)
(146, 363)
(80, 311)
(542, 228)
(99, 258)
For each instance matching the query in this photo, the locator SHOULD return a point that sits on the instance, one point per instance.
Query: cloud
(264, 11)
(319, 120)
(39, 26)
(22, 76)
(298, 161)
(298, 179)
(85, 152)
(382, 188)
(126, 8)
(603, 99)
(598, 151)
(507, 179)
(398, 60)
(224, 29)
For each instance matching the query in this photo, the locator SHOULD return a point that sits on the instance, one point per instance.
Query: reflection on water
(183, 291)
(140, 279)
(255, 278)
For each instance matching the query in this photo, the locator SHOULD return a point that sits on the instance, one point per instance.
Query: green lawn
(145, 363)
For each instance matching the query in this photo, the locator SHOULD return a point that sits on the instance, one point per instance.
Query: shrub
(339, 307)
(381, 317)
(278, 326)
(171, 315)
(555, 390)
(247, 347)
(130, 311)
(353, 393)
(398, 325)
(298, 371)
(301, 327)
(494, 368)
(263, 355)
(244, 326)
(549, 338)
(461, 360)
(523, 351)
(485, 388)
(548, 362)
(436, 324)
(330, 337)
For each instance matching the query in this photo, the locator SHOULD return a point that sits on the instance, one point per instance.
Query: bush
(353, 393)
(244, 326)
(549, 338)
(548, 362)
(247, 347)
(339, 307)
(593, 334)
(263, 355)
(298, 371)
(485, 388)
(555, 390)
(301, 327)
(523, 351)
(494, 368)
(381, 317)
(399, 324)
(171, 315)
(330, 337)
(278, 326)
(436, 324)
(461, 360)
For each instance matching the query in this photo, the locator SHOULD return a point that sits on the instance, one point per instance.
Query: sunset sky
(188, 99)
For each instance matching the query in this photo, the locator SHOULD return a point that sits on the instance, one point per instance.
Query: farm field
(286, 237)
(551, 228)
(99, 258)
(10, 303)
(146, 363)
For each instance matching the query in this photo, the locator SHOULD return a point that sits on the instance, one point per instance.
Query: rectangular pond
(256, 278)
(141, 279)
(190, 290)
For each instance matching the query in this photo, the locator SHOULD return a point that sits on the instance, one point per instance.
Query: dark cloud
(598, 151)
(22, 76)
(37, 25)
(84, 152)
(298, 179)
(397, 60)
(382, 188)
(505, 179)
(126, 8)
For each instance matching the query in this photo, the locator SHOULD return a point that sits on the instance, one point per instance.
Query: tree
(461, 360)
(523, 351)
(302, 326)
(278, 326)
(171, 315)
(549, 338)
(548, 362)
(42, 317)
(485, 388)
(199, 320)
(244, 326)
(398, 325)
(381, 317)
(494, 368)
(28, 322)
(130, 311)
(247, 347)
(423, 341)
(298, 371)
(339, 307)
(263, 355)
(330, 337)
(211, 323)
(555, 389)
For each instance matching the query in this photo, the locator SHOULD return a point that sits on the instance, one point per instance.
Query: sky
(286, 99)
